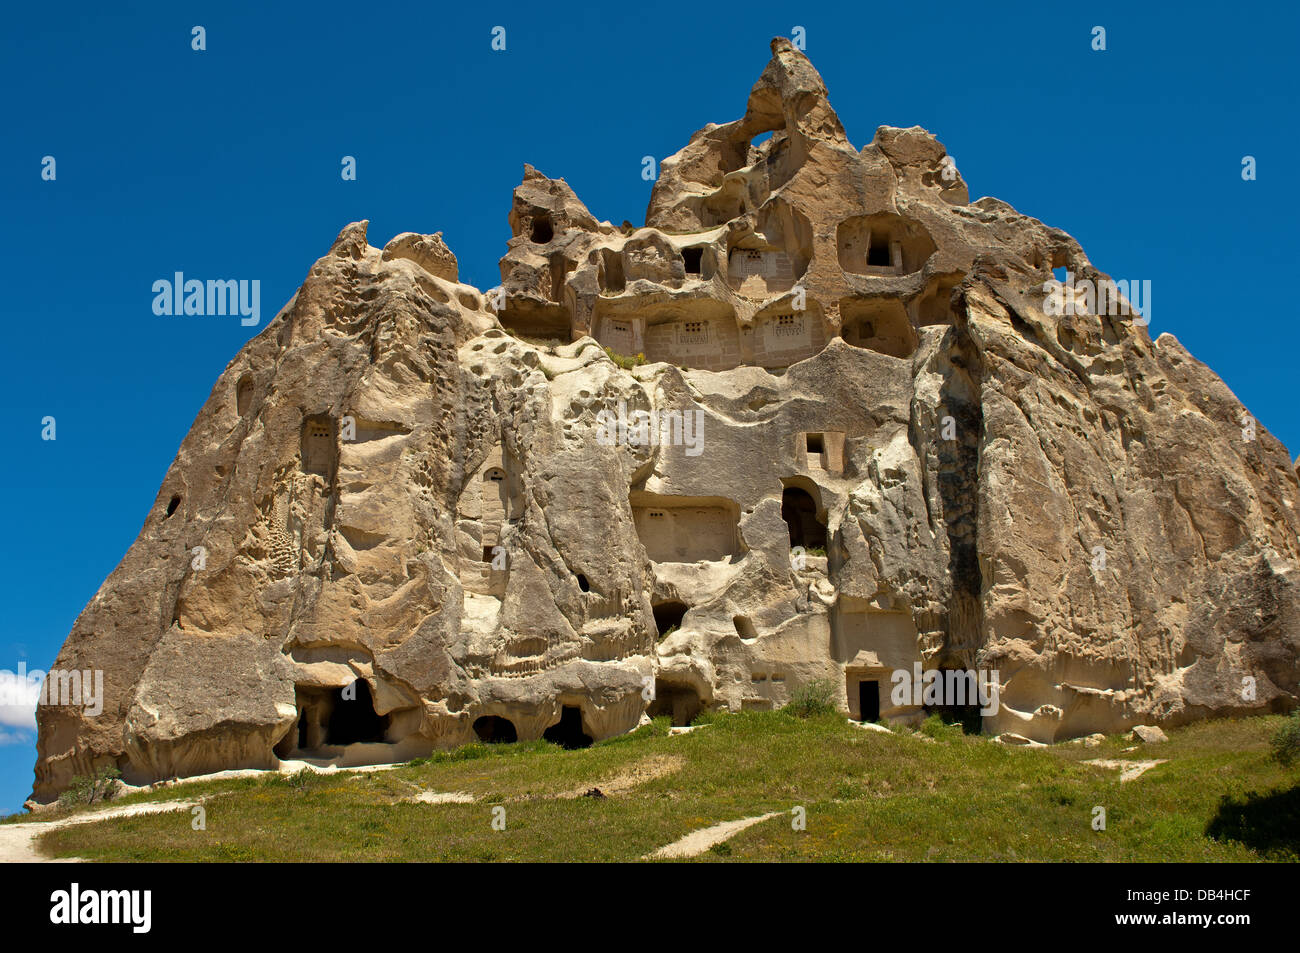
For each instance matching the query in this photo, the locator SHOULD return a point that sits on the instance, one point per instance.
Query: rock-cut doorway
(869, 700)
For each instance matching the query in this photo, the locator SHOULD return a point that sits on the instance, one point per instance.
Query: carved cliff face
(840, 435)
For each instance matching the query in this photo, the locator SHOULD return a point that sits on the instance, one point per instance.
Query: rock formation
(407, 516)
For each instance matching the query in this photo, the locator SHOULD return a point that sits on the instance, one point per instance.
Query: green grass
(868, 796)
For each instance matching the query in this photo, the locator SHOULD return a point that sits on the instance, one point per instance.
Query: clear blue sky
(225, 164)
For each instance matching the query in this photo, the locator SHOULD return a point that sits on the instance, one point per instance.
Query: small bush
(938, 729)
(847, 790)
(84, 789)
(815, 698)
(469, 752)
(932, 726)
(623, 361)
(709, 716)
(1286, 743)
(298, 780)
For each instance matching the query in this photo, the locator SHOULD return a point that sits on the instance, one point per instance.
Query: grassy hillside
(868, 796)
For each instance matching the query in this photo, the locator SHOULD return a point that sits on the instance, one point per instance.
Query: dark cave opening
(800, 513)
(878, 250)
(692, 259)
(669, 615)
(543, 231)
(353, 719)
(678, 702)
(567, 732)
(493, 729)
(869, 700)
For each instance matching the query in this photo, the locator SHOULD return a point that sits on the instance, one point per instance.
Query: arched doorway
(799, 511)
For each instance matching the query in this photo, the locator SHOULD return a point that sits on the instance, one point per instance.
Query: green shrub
(469, 752)
(83, 789)
(1286, 743)
(298, 780)
(932, 726)
(815, 698)
(938, 729)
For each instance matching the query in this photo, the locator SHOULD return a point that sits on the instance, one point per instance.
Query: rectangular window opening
(878, 250)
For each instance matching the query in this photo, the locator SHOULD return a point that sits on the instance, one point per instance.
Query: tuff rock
(883, 449)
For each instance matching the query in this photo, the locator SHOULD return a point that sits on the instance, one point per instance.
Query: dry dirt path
(18, 841)
(1129, 770)
(697, 842)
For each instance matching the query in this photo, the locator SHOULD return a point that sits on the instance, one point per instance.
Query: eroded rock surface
(415, 533)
